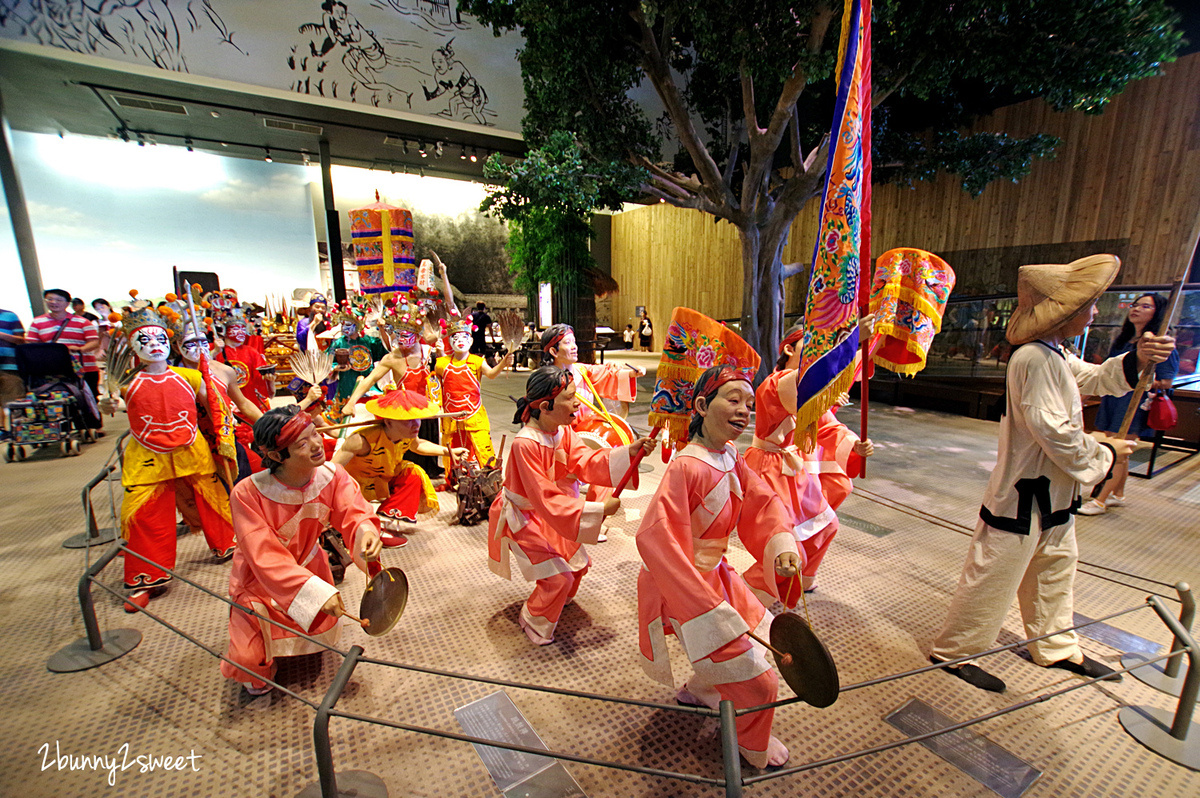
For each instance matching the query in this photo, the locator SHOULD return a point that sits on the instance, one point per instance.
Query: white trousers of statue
(1038, 569)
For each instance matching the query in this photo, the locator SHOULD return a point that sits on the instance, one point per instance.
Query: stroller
(58, 408)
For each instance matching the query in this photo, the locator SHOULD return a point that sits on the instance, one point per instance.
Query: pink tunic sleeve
(765, 526)
(296, 590)
(665, 543)
(595, 466)
(348, 510)
(610, 383)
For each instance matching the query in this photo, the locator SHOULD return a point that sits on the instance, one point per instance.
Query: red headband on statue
(792, 338)
(726, 374)
(292, 430)
(563, 382)
(556, 340)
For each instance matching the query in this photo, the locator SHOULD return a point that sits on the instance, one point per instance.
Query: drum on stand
(598, 433)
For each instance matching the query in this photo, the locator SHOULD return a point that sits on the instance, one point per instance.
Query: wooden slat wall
(1127, 181)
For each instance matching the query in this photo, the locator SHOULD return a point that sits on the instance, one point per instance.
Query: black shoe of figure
(1089, 668)
(973, 675)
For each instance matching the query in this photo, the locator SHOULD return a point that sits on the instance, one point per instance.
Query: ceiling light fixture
(268, 157)
(462, 152)
(188, 144)
(423, 151)
(474, 155)
(438, 149)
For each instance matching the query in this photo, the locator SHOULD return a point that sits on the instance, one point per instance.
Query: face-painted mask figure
(193, 348)
(460, 343)
(349, 329)
(151, 344)
(235, 333)
(405, 339)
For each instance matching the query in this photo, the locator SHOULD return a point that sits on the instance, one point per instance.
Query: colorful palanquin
(908, 297)
(384, 248)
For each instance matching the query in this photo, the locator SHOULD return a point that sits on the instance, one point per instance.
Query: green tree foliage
(548, 197)
(747, 90)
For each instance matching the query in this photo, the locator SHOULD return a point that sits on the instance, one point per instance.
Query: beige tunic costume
(1024, 543)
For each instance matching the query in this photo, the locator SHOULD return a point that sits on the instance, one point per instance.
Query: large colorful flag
(843, 237)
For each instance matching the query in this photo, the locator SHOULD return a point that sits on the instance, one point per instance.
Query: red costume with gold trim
(461, 393)
(166, 451)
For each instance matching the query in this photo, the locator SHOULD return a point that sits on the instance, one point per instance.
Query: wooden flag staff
(1147, 377)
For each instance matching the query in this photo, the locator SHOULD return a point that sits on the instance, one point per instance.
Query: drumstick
(784, 659)
(633, 464)
(364, 623)
(379, 421)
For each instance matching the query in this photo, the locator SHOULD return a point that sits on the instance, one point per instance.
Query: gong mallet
(633, 465)
(784, 659)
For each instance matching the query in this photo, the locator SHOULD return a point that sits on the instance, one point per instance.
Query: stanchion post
(95, 649)
(1187, 614)
(359, 783)
(1155, 728)
(729, 751)
(92, 535)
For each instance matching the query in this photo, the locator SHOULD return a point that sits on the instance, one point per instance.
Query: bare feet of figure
(777, 753)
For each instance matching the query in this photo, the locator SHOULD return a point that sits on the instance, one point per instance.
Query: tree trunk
(762, 294)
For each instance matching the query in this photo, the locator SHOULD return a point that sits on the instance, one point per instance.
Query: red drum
(597, 433)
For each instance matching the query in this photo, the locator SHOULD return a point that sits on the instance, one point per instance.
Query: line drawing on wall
(147, 30)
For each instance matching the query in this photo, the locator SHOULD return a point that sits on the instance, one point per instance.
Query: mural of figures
(146, 30)
(467, 99)
(418, 56)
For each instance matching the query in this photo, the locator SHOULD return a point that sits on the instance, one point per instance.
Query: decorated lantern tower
(384, 248)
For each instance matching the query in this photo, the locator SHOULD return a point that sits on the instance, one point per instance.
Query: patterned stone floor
(882, 594)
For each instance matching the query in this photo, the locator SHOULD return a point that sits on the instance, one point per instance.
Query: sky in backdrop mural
(109, 216)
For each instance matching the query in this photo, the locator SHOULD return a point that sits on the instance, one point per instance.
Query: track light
(124, 134)
(141, 140)
(462, 153)
(268, 157)
(404, 147)
(438, 149)
(474, 155)
(423, 151)
(188, 143)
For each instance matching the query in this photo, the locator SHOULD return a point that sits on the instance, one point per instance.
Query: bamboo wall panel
(1126, 181)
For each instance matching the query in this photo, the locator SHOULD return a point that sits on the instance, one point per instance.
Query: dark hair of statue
(704, 387)
(549, 334)
(781, 362)
(542, 384)
(266, 433)
(1127, 329)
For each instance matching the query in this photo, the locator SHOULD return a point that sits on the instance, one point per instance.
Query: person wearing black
(483, 323)
(645, 333)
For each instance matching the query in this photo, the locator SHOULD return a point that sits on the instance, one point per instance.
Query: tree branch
(748, 111)
(796, 83)
(792, 269)
(660, 75)
(794, 127)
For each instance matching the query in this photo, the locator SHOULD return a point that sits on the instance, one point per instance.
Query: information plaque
(517, 774)
(971, 752)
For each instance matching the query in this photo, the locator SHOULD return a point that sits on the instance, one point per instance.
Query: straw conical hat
(1051, 294)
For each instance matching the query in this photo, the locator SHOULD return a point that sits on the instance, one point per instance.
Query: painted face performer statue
(459, 374)
(408, 365)
(539, 519)
(192, 344)
(247, 360)
(354, 353)
(686, 587)
(315, 322)
(280, 569)
(166, 455)
(1024, 544)
(593, 384)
